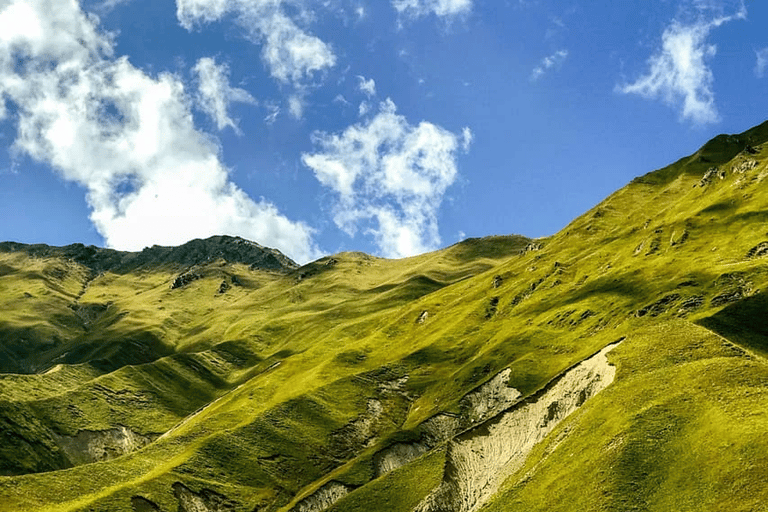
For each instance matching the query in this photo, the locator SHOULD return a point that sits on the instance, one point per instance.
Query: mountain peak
(195, 252)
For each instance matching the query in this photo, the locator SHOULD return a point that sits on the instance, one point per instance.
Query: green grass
(263, 385)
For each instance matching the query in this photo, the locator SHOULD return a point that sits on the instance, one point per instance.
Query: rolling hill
(616, 365)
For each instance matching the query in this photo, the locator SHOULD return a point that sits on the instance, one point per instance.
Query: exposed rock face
(360, 432)
(194, 252)
(489, 399)
(203, 501)
(398, 455)
(745, 166)
(89, 446)
(479, 460)
(710, 176)
(660, 306)
(184, 280)
(758, 251)
(322, 498)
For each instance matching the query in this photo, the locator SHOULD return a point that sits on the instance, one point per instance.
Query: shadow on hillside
(745, 323)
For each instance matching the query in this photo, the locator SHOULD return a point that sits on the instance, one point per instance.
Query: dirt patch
(96, 446)
(479, 460)
(322, 498)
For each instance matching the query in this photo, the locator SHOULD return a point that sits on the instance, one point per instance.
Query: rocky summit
(617, 365)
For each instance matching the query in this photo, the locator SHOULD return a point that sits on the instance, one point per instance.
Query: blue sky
(392, 127)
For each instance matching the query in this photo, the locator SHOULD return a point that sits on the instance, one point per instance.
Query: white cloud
(127, 137)
(549, 62)
(364, 108)
(273, 111)
(368, 87)
(441, 8)
(762, 62)
(215, 94)
(108, 5)
(389, 178)
(678, 73)
(292, 55)
(466, 138)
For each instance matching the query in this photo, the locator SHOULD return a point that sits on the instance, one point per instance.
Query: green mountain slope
(617, 365)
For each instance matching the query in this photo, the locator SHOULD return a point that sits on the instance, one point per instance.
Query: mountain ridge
(193, 252)
(356, 383)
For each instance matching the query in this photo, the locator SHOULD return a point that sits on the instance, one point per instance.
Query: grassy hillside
(197, 377)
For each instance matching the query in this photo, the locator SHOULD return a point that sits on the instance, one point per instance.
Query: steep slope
(486, 376)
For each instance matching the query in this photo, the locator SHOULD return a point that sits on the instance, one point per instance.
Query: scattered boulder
(184, 280)
(690, 304)
(531, 247)
(728, 297)
(422, 317)
(490, 311)
(711, 175)
(223, 287)
(758, 251)
(745, 166)
(660, 306)
(497, 281)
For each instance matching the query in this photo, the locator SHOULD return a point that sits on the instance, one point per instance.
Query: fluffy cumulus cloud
(441, 8)
(367, 86)
(552, 61)
(127, 137)
(214, 93)
(292, 55)
(389, 178)
(679, 72)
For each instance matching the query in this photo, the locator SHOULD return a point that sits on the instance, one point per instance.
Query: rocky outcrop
(711, 175)
(489, 399)
(322, 498)
(659, 307)
(480, 459)
(204, 501)
(184, 280)
(758, 251)
(194, 252)
(398, 455)
(95, 446)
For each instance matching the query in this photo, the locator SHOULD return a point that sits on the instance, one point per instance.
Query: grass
(269, 386)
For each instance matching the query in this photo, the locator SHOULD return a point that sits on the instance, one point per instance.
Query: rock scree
(322, 498)
(480, 459)
(96, 446)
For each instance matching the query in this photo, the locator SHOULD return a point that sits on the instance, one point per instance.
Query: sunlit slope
(297, 384)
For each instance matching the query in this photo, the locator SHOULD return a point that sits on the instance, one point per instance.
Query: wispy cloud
(442, 8)
(214, 94)
(368, 87)
(679, 73)
(389, 178)
(292, 55)
(552, 61)
(762, 62)
(128, 138)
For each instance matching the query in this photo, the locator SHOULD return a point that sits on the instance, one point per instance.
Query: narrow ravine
(480, 459)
